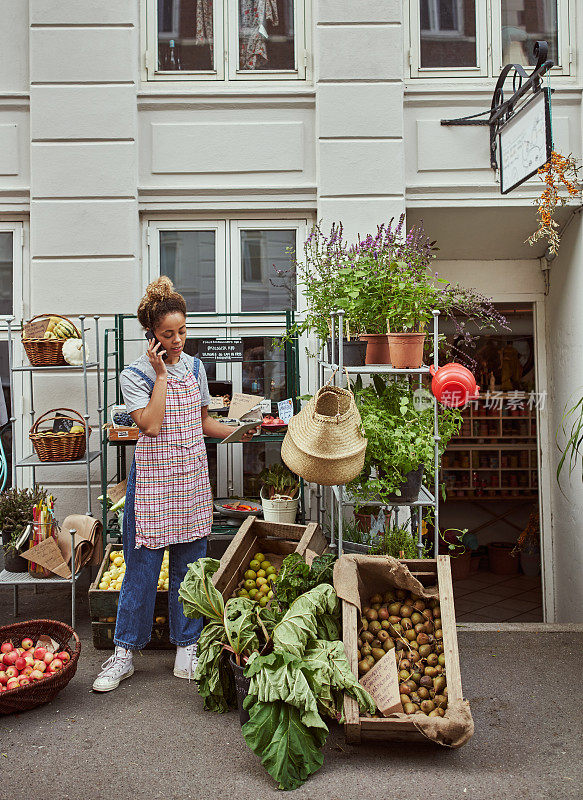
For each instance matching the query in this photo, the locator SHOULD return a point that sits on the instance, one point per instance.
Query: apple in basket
(27, 671)
(27, 644)
(23, 680)
(12, 683)
(40, 653)
(6, 647)
(3, 678)
(40, 665)
(55, 665)
(20, 663)
(48, 657)
(64, 656)
(12, 672)
(10, 658)
(36, 675)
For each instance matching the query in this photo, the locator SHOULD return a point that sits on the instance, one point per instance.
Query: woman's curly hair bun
(160, 299)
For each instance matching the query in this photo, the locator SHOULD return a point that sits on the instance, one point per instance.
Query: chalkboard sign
(63, 424)
(526, 142)
(221, 350)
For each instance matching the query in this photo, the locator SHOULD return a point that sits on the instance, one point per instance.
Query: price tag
(265, 406)
(285, 409)
(221, 350)
(382, 683)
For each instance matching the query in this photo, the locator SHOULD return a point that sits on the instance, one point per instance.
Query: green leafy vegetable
(197, 593)
(241, 625)
(213, 677)
(299, 623)
(296, 577)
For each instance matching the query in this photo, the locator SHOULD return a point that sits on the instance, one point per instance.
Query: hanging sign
(221, 350)
(525, 142)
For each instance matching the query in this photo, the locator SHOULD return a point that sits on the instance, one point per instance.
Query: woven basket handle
(46, 418)
(60, 316)
(334, 373)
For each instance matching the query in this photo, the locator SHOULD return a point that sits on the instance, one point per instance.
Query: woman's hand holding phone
(155, 356)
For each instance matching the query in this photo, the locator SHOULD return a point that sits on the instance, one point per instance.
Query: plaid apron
(173, 498)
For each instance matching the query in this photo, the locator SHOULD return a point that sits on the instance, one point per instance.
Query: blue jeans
(135, 611)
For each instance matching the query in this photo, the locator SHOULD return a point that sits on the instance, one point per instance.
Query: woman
(168, 496)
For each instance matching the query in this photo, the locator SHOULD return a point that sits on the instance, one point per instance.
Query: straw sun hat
(323, 443)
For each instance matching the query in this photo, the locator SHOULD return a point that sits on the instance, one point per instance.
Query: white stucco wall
(565, 364)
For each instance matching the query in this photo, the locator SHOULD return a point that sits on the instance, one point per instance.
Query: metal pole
(86, 415)
(420, 533)
(72, 531)
(340, 519)
(12, 415)
(340, 347)
(332, 506)
(436, 435)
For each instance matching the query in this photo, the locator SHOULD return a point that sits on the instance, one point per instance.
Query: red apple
(20, 663)
(27, 670)
(48, 658)
(6, 647)
(19, 650)
(40, 653)
(36, 675)
(55, 665)
(23, 680)
(29, 659)
(12, 672)
(10, 658)
(27, 644)
(40, 665)
(64, 656)
(12, 683)
(3, 678)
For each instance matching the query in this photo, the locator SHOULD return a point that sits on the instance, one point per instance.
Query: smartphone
(151, 338)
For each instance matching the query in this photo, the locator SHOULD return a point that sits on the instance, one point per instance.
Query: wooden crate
(103, 604)
(358, 729)
(275, 540)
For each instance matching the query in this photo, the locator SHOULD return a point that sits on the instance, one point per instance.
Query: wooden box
(122, 433)
(275, 540)
(103, 605)
(358, 729)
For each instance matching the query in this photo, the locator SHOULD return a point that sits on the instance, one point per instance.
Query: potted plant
(279, 493)
(398, 542)
(528, 546)
(400, 434)
(15, 514)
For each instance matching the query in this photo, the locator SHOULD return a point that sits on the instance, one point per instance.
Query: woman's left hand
(249, 434)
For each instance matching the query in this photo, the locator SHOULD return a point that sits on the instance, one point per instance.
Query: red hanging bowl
(453, 385)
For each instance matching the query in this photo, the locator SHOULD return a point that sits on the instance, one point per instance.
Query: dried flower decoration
(560, 172)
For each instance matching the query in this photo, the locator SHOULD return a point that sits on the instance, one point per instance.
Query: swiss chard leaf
(213, 677)
(241, 625)
(299, 623)
(288, 749)
(197, 594)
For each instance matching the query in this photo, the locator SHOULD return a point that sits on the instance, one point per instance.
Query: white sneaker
(185, 661)
(114, 670)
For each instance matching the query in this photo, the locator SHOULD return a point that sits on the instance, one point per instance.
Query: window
(475, 38)
(267, 278)
(225, 39)
(6, 272)
(448, 33)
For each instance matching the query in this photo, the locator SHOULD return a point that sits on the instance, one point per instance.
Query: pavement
(151, 738)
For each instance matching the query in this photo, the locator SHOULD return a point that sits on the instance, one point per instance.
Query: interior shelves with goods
(17, 365)
(225, 327)
(340, 497)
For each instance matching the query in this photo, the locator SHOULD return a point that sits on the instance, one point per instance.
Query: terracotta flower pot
(500, 559)
(364, 521)
(377, 348)
(406, 350)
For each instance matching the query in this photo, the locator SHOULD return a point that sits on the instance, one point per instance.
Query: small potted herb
(15, 514)
(400, 434)
(279, 493)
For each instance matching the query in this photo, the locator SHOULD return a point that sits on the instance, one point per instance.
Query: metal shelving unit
(339, 496)
(114, 361)
(32, 461)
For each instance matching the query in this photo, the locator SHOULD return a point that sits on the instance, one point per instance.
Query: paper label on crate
(243, 403)
(285, 409)
(48, 555)
(382, 683)
(115, 493)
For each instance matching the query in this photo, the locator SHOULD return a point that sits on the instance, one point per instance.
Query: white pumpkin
(73, 352)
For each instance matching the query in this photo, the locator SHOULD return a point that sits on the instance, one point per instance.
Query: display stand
(32, 461)
(114, 361)
(339, 496)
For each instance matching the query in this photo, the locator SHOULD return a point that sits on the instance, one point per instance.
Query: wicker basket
(45, 352)
(35, 694)
(61, 446)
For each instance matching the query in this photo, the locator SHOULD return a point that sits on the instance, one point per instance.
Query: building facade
(203, 138)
